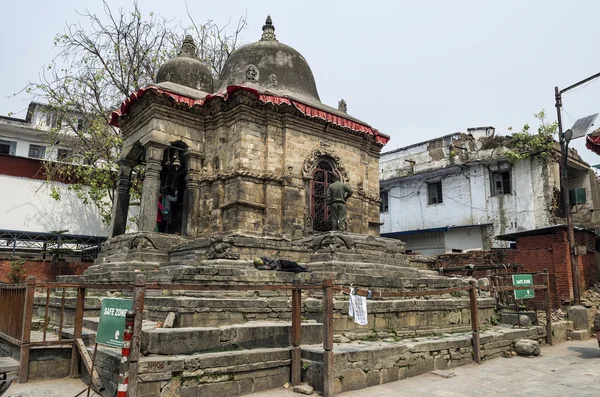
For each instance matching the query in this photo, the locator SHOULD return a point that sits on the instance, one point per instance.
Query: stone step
(579, 334)
(230, 373)
(9, 370)
(216, 310)
(251, 335)
(91, 323)
(87, 335)
(363, 364)
(8, 364)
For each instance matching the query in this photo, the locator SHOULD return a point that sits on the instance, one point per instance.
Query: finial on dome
(268, 30)
(188, 47)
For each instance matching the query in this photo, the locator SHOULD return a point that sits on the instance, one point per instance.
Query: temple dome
(186, 69)
(271, 66)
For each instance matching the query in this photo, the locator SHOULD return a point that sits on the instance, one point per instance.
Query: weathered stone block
(191, 391)
(353, 379)
(153, 377)
(180, 340)
(579, 316)
(219, 389)
(421, 366)
(149, 389)
(160, 364)
(373, 378)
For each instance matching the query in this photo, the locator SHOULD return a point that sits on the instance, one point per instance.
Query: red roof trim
(307, 110)
(593, 143)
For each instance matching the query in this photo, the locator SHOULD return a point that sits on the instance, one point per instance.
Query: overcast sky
(414, 70)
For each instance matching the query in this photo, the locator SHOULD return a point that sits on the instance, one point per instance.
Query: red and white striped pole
(124, 368)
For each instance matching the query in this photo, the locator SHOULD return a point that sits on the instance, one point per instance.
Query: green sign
(523, 280)
(112, 321)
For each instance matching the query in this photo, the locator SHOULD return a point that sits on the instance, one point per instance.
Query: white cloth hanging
(358, 309)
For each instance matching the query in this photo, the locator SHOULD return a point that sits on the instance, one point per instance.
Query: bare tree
(97, 67)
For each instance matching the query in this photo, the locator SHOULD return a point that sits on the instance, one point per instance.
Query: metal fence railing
(16, 302)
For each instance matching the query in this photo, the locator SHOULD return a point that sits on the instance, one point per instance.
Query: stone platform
(357, 365)
(150, 251)
(237, 342)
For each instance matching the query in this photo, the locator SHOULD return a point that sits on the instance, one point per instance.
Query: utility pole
(564, 149)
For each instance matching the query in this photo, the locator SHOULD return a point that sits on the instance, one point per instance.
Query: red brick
(44, 270)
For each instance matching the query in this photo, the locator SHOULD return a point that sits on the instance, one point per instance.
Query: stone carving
(252, 73)
(267, 176)
(308, 223)
(273, 81)
(220, 248)
(230, 81)
(323, 151)
(332, 242)
(360, 190)
(343, 106)
(142, 243)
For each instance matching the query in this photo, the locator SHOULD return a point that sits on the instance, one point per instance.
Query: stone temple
(250, 155)
(243, 164)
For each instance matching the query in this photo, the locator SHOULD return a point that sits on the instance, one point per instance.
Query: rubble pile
(591, 297)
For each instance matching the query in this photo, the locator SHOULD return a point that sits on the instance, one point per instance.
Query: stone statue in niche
(337, 194)
(273, 81)
(252, 73)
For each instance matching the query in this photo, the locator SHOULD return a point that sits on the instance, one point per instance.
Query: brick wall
(44, 270)
(536, 253)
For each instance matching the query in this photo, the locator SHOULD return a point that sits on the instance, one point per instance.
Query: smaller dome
(271, 66)
(186, 69)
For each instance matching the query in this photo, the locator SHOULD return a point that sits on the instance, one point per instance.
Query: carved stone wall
(255, 164)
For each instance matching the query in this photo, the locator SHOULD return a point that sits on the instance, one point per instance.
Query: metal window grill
(323, 176)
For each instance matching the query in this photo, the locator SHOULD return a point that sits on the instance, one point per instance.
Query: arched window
(323, 175)
(217, 164)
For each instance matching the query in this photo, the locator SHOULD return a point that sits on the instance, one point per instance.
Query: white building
(458, 192)
(26, 203)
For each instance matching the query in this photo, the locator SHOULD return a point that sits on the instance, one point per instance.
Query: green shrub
(17, 273)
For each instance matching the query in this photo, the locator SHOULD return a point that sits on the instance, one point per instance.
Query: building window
(80, 125)
(8, 147)
(217, 164)
(500, 183)
(63, 154)
(384, 205)
(37, 151)
(434, 193)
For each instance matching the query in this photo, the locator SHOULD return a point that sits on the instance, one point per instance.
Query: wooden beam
(475, 322)
(26, 331)
(88, 362)
(79, 307)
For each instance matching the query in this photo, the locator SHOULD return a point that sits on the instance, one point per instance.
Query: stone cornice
(240, 104)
